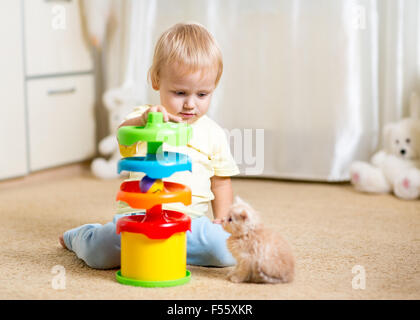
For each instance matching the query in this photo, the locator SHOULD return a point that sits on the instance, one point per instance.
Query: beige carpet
(331, 227)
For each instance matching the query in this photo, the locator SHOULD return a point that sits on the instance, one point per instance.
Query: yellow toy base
(153, 259)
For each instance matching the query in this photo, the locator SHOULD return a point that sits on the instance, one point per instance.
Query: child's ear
(154, 79)
(155, 86)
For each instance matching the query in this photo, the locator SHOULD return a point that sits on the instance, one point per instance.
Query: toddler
(186, 69)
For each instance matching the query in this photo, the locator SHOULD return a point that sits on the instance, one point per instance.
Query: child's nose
(189, 104)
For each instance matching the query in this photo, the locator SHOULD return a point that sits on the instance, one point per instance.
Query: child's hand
(142, 120)
(218, 221)
(166, 115)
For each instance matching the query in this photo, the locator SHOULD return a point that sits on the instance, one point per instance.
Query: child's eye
(202, 94)
(407, 140)
(179, 93)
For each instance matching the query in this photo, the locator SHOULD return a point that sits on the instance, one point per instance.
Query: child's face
(187, 95)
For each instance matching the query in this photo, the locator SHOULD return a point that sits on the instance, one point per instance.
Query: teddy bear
(119, 103)
(395, 168)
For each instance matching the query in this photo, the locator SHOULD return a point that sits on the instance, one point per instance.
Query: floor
(348, 245)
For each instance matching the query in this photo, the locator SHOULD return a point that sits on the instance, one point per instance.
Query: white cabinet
(60, 118)
(46, 87)
(13, 156)
(54, 38)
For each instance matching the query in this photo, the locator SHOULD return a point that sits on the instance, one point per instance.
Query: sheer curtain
(319, 77)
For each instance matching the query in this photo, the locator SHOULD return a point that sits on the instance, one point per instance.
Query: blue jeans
(99, 245)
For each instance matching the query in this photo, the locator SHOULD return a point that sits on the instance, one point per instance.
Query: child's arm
(141, 120)
(223, 197)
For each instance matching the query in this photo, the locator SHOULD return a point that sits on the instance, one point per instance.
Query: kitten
(261, 254)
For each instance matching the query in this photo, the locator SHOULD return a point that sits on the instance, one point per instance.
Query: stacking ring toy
(154, 245)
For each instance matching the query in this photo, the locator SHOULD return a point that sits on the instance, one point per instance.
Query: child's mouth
(187, 115)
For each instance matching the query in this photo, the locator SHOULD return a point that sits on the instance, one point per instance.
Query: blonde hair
(191, 46)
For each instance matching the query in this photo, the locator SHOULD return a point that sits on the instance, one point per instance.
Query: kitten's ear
(239, 200)
(243, 215)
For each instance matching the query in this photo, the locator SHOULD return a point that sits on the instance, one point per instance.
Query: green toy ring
(153, 284)
(175, 134)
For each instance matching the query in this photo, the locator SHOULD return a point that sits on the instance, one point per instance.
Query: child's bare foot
(61, 239)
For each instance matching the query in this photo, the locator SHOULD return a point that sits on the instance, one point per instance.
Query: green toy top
(155, 132)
